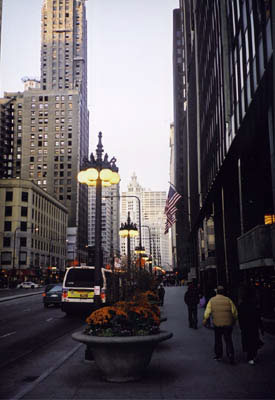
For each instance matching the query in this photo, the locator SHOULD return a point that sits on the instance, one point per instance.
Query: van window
(108, 276)
(80, 278)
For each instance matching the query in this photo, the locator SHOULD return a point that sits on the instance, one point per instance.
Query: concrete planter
(122, 358)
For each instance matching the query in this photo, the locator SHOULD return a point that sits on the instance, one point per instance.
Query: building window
(23, 242)
(6, 242)
(8, 211)
(25, 196)
(23, 257)
(7, 226)
(6, 258)
(9, 196)
(23, 226)
(24, 211)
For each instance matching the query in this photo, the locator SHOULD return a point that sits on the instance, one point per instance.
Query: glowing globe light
(123, 233)
(81, 177)
(92, 174)
(115, 179)
(133, 233)
(106, 174)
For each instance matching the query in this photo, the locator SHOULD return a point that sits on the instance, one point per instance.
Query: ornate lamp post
(128, 230)
(98, 172)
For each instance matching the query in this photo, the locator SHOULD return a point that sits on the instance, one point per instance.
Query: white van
(78, 289)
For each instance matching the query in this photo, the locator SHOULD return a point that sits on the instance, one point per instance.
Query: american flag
(170, 208)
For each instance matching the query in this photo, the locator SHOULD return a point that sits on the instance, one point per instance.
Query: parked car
(27, 285)
(53, 296)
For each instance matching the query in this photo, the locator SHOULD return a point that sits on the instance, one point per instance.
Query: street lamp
(98, 172)
(128, 230)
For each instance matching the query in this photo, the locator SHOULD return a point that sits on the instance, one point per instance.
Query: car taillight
(102, 295)
(64, 294)
(44, 294)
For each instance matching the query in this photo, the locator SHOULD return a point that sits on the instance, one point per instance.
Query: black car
(53, 296)
(50, 286)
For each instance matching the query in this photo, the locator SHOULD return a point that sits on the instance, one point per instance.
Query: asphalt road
(25, 325)
(27, 332)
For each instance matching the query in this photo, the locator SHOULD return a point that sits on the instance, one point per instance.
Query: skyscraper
(152, 217)
(64, 70)
(228, 140)
(51, 124)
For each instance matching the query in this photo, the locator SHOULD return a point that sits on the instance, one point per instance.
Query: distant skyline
(130, 81)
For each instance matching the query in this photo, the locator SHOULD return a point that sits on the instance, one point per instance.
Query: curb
(18, 296)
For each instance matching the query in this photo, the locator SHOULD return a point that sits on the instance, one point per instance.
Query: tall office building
(152, 218)
(228, 140)
(50, 129)
(64, 70)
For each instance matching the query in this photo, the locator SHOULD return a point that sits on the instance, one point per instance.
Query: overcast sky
(129, 77)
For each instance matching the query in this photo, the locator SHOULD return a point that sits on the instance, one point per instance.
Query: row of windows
(45, 136)
(44, 143)
(24, 196)
(252, 49)
(8, 211)
(46, 105)
(37, 201)
(35, 243)
(45, 121)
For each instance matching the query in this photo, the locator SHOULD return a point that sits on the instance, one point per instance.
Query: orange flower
(104, 315)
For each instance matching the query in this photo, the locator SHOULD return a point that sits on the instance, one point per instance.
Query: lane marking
(49, 319)
(7, 334)
(27, 309)
(49, 371)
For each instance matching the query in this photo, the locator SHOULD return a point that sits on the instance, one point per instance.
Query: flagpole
(173, 186)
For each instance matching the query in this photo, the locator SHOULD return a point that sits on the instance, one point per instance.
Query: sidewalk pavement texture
(181, 368)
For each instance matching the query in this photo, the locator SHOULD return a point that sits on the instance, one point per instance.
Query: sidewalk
(181, 368)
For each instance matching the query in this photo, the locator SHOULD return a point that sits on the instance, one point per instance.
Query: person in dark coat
(161, 293)
(192, 299)
(250, 324)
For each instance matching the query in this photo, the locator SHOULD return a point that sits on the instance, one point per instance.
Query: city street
(27, 332)
(181, 368)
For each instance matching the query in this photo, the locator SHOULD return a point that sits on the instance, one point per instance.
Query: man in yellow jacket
(224, 315)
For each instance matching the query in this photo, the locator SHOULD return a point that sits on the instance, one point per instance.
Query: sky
(130, 79)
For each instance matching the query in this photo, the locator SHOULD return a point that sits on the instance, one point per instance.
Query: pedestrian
(192, 299)
(250, 323)
(224, 315)
(161, 293)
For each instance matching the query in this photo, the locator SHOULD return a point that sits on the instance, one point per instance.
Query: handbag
(202, 301)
